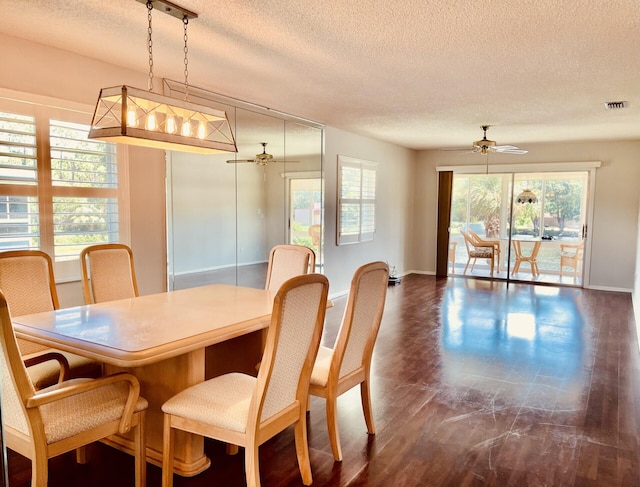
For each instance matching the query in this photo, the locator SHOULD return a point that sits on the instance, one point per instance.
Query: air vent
(615, 105)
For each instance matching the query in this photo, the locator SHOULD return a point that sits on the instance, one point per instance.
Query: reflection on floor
(474, 383)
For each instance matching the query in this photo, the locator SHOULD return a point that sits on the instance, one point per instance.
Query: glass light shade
(527, 196)
(171, 125)
(130, 115)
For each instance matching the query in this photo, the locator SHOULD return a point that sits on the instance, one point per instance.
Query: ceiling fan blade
(509, 149)
(287, 161)
(234, 161)
(472, 149)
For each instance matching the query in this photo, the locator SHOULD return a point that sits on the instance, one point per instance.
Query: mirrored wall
(225, 211)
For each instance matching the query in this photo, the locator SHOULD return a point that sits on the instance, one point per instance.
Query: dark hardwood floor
(474, 384)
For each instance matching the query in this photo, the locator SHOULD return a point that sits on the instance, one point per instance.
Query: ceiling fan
(484, 146)
(260, 159)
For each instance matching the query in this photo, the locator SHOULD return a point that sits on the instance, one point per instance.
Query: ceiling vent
(615, 105)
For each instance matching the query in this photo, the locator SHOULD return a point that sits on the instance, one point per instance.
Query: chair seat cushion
(82, 412)
(320, 373)
(222, 401)
(481, 253)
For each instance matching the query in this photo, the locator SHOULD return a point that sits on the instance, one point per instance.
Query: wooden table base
(161, 381)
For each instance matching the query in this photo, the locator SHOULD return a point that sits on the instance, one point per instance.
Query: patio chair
(478, 250)
(571, 255)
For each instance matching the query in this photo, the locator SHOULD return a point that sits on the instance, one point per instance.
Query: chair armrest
(570, 246)
(485, 245)
(46, 397)
(39, 358)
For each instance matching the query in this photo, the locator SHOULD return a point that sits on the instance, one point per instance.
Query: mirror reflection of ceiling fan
(260, 159)
(484, 146)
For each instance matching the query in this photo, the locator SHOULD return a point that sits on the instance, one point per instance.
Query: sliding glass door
(535, 222)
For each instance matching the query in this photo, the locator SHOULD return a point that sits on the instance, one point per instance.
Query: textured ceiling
(418, 73)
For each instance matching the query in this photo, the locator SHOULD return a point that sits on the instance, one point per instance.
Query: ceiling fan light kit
(484, 146)
(134, 116)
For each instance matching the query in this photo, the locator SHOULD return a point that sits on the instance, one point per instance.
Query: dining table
(169, 341)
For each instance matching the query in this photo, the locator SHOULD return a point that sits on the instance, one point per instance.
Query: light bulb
(152, 123)
(171, 125)
(132, 120)
(202, 130)
(186, 129)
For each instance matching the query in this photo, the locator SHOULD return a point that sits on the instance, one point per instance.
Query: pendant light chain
(150, 44)
(185, 21)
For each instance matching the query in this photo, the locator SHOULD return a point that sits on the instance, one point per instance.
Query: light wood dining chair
(287, 261)
(244, 410)
(108, 273)
(27, 280)
(49, 422)
(348, 363)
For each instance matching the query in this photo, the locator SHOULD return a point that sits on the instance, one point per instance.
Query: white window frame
(45, 109)
(362, 200)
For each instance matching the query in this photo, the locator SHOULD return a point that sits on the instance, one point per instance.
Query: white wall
(617, 196)
(394, 209)
(636, 281)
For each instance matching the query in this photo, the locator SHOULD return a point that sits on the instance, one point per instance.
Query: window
(356, 200)
(59, 191)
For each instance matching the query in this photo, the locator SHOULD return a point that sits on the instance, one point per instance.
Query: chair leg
(465, 267)
(81, 455)
(302, 449)
(168, 437)
(140, 451)
(251, 465)
(332, 426)
(365, 396)
(39, 470)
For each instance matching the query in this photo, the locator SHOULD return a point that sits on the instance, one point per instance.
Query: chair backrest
(26, 278)
(291, 346)
(468, 240)
(28, 284)
(361, 320)
(108, 273)
(287, 261)
(473, 235)
(16, 384)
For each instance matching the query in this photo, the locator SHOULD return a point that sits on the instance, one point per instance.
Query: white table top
(144, 330)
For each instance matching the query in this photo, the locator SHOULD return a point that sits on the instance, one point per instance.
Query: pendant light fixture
(527, 196)
(135, 116)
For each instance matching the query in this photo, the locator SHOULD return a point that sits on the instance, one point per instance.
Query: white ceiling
(419, 73)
